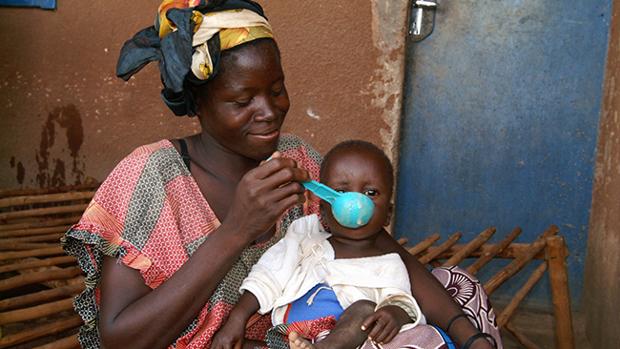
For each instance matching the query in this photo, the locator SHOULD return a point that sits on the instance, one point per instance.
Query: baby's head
(362, 167)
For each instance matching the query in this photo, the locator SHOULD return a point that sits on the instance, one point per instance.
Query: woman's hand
(383, 325)
(231, 335)
(264, 194)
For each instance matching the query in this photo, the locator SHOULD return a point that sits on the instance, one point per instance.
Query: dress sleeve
(99, 233)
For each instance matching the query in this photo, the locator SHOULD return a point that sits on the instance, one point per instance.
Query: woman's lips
(266, 136)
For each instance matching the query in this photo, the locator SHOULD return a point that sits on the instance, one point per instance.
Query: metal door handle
(417, 9)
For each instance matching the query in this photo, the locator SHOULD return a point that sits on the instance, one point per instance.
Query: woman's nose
(266, 110)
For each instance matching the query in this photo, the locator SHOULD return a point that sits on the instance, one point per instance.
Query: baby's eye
(276, 91)
(340, 190)
(242, 102)
(370, 192)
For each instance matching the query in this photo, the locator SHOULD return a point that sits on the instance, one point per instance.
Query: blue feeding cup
(350, 209)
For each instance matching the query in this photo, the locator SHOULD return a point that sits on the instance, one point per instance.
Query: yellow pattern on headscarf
(165, 27)
(230, 38)
(235, 27)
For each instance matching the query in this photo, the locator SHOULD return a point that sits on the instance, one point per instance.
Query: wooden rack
(37, 280)
(548, 251)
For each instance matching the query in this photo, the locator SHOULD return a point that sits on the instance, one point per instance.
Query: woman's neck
(217, 160)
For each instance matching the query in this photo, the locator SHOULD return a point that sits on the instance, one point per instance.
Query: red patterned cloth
(150, 214)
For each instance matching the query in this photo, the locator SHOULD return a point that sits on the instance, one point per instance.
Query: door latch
(423, 19)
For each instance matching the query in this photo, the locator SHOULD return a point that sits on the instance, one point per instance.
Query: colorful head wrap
(189, 35)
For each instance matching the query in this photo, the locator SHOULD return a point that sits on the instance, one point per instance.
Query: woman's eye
(370, 192)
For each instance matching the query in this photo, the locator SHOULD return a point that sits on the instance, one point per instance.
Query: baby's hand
(383, 325)
(230, 336)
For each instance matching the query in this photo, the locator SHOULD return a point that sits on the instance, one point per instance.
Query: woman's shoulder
(153, 158)
(147, 165)
(142, 153)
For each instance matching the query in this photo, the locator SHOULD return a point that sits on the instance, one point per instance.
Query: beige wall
(66, 117)
(602, 272)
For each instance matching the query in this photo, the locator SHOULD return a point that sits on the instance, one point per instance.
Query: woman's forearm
(133, 315)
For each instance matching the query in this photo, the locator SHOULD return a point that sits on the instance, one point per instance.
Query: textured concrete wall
(602, 272)
(66, 117)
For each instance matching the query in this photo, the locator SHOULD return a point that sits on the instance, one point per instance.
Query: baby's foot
(295, 341)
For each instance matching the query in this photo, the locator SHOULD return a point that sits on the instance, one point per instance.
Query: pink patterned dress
(151, 216)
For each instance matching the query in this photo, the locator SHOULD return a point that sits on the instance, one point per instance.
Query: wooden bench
(38, 281)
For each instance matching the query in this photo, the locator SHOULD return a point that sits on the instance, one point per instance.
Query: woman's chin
(263, 148)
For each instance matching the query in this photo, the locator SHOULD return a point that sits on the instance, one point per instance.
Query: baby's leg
(347, 333)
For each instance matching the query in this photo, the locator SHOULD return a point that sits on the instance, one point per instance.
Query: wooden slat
(473, 245)
(35, 312)
(36, 263)
(49, 251)
(43, 222)
(524, 341)
(424, 244)
(500, 277)
(42, 296)
(70, 342)
(45, 198)
(38, 238)
(38, 277)
(40, 331)
(24, 246)
(35, 231)
(441, 248)
(488, 255)
(43, 211)
(507, 313)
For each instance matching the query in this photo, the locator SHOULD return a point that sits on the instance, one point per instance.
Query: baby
(336, 274)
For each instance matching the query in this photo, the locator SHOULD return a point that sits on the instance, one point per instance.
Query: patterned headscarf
(187, 39)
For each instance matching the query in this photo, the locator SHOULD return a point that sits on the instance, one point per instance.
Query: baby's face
(361, 171)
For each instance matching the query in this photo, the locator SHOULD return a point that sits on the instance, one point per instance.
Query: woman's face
(362, 171)
(244, 106)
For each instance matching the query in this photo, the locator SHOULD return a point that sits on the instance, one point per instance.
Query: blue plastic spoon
(350, 209)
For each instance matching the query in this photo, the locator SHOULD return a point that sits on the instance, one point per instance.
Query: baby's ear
(388, 218)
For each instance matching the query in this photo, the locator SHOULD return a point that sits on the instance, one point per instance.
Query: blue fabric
(324, 304)
(46, 4)
(446, 338)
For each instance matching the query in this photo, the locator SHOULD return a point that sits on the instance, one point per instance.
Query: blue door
(500, 123)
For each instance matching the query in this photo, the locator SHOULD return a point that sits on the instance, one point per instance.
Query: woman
(177, 225)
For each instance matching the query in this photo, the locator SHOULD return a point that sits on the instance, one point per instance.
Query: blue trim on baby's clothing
(319, 302)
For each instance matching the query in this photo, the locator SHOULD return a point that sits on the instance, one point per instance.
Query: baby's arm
(234, 329)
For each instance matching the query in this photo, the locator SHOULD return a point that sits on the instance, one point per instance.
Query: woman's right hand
(264, 194)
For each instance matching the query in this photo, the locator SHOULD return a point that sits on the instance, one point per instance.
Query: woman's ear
(388, 218)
